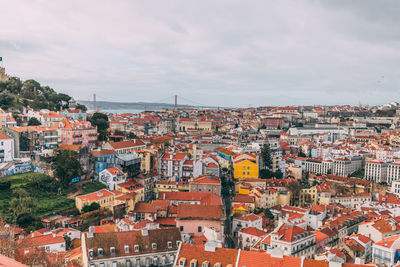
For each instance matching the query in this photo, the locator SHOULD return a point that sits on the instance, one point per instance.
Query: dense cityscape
(265, 186)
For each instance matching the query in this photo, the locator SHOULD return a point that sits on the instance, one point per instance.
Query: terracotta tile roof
(242, 198)
(8, 262)
(205, 198)
(127, 144)
(253, 231)
(207, 179)
(168, 221)
(337, 252)
(4, 136)
(289, 233)
(114, 171)
(39, 241)
(188, 211)
(143, 207)
(250, 217)
(132, 186)
(225, 256)
(259, 259)
(103, 152)
(103, 193)
(315, 263)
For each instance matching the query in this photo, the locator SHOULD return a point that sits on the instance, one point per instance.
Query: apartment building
(154, 247)
(293, 241)
(376, 170)
(345, 166)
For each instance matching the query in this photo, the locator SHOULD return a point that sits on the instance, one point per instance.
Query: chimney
(163, 196)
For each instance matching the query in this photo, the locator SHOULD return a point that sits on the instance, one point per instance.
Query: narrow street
(227, 198)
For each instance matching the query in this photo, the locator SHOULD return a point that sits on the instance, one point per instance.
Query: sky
(208, 52)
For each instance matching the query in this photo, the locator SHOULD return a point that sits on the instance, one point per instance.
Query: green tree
(301, 153)
(266, 156)
(91, 207)
(6, 100)
(294, 188)
(278, 174)
(67, 166)
(43, 183)
(22, 202)
(24, 220)
(34, 122)
(68, 242)
(100, 120)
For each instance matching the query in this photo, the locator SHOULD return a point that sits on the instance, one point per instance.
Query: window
(169, 244)
(136, 248)
(154, 246)
(199, 229)
(181, 228)
(114, 264)
(126, 249)
(100, 252)
(128, 263)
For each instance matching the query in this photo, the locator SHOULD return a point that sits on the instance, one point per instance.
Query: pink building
(192, 219)
(78, 132)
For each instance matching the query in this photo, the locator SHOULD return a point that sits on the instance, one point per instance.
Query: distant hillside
(104, 105)
(15, 94)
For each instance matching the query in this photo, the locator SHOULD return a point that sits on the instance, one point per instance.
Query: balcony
(77, 135)
(302, 248)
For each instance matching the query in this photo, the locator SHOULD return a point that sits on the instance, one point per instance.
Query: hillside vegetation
(15, 94)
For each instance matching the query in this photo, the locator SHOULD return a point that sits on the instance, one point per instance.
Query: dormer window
(169, 244)
(112, 250)
(154, 246)
(193, 263)
(136, 248)
(205, 264)
(182, 261)
(126, 248)
(100, 252)
(91, 254)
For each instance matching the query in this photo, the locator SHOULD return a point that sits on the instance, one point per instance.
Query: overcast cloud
(226, 53)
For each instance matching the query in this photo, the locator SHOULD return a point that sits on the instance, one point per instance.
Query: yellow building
(309, 196)
(168, 186)
(105, 198)
(245, 169)
(132, 187)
